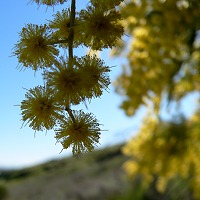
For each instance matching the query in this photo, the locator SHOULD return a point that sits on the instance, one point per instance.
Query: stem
(70, 49)
(59, 42)
(71, 31)
(70, 113)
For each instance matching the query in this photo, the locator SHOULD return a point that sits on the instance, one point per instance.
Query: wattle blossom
(94, 75)
(34, 48)
(100, 28)
(48, 2)
(39, 109)
(82, 133)
(65, 81)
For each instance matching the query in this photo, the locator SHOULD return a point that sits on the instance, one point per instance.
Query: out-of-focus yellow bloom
(81, 133)
(161, 184)
(34, 48)
(150, 51)
(141, 32)
(166, 150)
(39, 110)
(100, 29)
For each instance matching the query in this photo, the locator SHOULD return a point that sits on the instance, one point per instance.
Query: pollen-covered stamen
(40, 44)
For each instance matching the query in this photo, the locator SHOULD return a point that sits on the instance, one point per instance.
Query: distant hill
(94, 176)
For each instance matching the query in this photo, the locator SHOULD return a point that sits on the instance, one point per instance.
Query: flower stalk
(69, 80)
(71, 32)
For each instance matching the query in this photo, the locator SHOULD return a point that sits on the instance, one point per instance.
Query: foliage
(137, 190)
(163, 54)
(68, 79)
(3, 192)
(167, 149)
(97, 171)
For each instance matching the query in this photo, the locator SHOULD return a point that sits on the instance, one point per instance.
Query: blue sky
(18, 146)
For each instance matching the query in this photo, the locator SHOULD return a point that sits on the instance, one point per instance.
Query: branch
(59, 42)
(71, 31)
(67, 108)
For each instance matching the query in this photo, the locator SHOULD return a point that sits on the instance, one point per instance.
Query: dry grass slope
(94, 176)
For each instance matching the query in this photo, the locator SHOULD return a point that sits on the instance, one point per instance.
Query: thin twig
(67, 108)
(70, 48)
(59, 42)
(71, 32)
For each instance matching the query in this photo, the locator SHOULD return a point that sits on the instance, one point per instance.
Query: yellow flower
(106, 4)
(66, 82)
(161, 184)
(61, 27)
(94, 75)
(49, 2)
(82, 132)
(61, 24)
(39, 109)
(34, 49)
(100, 29)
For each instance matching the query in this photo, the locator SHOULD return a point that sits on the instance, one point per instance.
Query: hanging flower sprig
(68, 80)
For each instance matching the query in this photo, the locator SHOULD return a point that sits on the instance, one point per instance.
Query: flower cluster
(61, 24)
(40, 109)
(82, 132)
(34, 49)
(85, 80)
(68, 79)
(106, 4)
(49, 2)
(166, 150)
(101, 28)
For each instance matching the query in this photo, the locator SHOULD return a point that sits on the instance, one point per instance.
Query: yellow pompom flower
(34, 48)
(61, 27)
(81, 133)
(49, 2)
(66, 82)
(39, 109)
(61, 24)
(106, 4)
(100, 29)
(94, 75)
